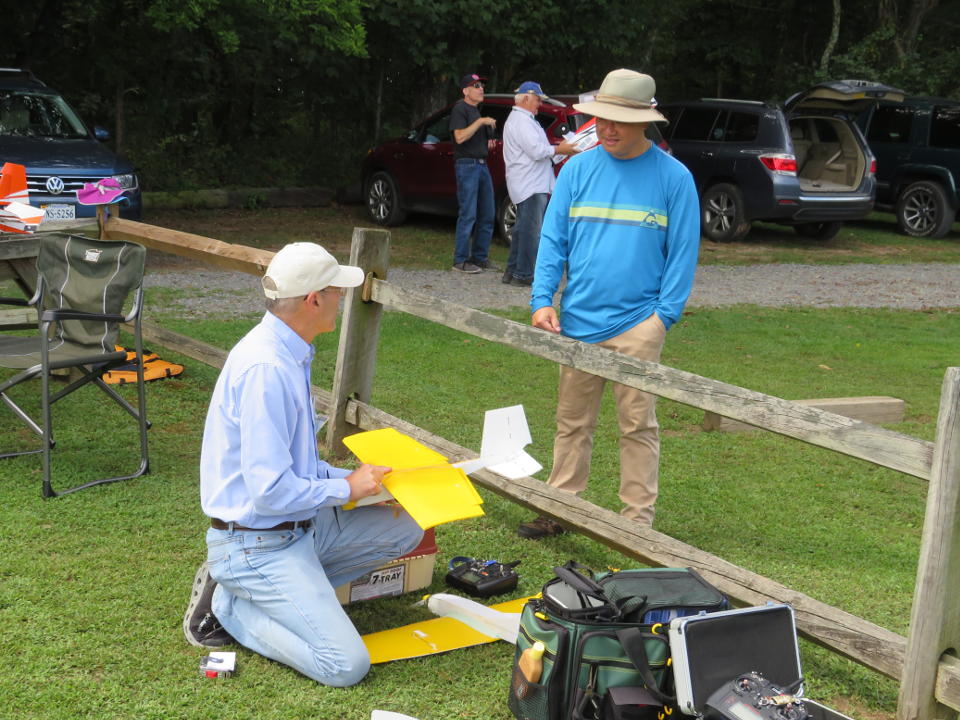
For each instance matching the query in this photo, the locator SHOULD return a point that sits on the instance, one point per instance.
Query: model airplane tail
(16, 214)
(505, 434)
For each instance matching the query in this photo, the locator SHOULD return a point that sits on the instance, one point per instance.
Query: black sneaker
(200, 625)
(540, 528)
(486, 265)
(524, 282)
(507, 278)
(467, 267)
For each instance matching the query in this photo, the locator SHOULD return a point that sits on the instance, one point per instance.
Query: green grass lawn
(93, 586)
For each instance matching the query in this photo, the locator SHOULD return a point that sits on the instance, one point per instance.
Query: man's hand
(565, 148)
(546, 319)
(366, 480)
(492, 122)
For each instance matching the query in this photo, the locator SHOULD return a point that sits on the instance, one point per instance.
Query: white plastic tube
(481, 618)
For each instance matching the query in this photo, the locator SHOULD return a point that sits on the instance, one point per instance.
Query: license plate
(60, 212)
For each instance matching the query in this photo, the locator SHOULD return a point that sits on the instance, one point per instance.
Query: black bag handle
(580, 582)
(631, 639)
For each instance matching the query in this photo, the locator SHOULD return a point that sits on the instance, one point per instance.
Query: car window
(577, 120)
(891, 123)
(696, 124)
(38, 115)
(742, 127)
(545, 120)
(945, 127)
(437, 130)
(498, 113)
(825, 131)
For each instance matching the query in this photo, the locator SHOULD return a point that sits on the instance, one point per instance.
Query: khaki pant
(578, 406)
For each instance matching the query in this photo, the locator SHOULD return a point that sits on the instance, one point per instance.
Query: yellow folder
(422, 480)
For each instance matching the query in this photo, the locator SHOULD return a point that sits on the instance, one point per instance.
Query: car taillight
(873, 167)
(780, 163)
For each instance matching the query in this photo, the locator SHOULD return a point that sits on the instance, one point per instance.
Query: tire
(923, 210)
(722, 217)
(383, 200)
(818, 231)
(505, 220)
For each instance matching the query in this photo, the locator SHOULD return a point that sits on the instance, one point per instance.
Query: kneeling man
(279, 542)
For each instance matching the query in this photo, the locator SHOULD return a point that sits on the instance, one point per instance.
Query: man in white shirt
(528, 157)
(279, 541)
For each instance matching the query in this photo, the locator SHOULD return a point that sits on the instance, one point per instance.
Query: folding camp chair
(82, 286)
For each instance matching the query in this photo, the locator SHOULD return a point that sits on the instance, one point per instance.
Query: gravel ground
(906, 287)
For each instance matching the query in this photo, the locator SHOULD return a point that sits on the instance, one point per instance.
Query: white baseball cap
(302, 267)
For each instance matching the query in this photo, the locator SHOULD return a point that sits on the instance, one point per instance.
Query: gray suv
(804, 164)
(917, 145)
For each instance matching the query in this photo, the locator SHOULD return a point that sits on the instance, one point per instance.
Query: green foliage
(215, 92)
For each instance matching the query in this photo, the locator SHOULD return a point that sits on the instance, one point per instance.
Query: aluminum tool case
(711, 649)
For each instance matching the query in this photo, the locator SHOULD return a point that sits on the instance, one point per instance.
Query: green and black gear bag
(607, 653)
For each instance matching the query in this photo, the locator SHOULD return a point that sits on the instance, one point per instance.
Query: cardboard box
(410, 572)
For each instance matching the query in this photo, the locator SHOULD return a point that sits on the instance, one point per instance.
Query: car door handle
(706, 154)
(399, 156)
(903, 156)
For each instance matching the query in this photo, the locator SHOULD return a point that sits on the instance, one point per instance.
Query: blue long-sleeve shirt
(627, 232)
(259, 465)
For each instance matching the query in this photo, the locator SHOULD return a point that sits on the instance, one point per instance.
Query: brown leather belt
(218, 524)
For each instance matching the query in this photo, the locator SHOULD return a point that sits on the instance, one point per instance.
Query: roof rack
(548, 101)
(23, 73)
(748, 102)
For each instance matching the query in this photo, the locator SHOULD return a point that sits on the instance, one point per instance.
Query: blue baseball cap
(531, 88)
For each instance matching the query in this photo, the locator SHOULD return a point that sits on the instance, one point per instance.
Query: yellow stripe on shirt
(620, 215)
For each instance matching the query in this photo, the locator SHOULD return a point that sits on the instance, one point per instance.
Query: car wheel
(721, 213)
(383, 200)
(923, 210)
(818, 231)
(506, 219)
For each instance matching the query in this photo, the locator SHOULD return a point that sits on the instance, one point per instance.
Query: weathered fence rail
(925, 662)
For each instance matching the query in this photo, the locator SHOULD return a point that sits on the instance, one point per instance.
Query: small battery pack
(218, 664)
(482, 578)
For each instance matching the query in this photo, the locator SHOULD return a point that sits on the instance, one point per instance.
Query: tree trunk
(120, 129)
(834, 34)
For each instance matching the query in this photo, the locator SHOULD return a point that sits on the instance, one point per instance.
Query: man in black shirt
(473, 138)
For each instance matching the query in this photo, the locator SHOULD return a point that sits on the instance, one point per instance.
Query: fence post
(359, 336)
(935, 618)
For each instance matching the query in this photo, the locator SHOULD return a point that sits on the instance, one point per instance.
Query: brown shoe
(540, 528)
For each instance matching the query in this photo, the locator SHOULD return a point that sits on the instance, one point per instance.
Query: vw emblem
(54, 185)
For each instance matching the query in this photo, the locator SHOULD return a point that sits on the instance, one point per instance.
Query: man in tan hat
(624, 222)
(279, 543)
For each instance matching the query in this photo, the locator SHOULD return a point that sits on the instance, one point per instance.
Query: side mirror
(560, 130)
(100, 133)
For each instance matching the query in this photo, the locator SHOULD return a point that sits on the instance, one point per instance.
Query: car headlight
(127, 181)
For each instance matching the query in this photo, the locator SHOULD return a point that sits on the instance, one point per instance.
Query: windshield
(26, 114)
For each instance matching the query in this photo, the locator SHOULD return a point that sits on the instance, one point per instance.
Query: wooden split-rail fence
(925, 662)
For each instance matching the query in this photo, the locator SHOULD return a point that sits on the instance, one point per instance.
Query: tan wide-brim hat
(625, 96)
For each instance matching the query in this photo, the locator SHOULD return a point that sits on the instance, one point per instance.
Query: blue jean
(526, 236)
(276, 592)
(475, 200)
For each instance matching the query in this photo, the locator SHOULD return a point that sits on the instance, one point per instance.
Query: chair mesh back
(92, 275)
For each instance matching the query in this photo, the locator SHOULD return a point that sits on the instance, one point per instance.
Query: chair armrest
(22, 302)
(54, 315)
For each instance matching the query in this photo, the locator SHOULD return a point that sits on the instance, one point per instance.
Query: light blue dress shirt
(259, 465)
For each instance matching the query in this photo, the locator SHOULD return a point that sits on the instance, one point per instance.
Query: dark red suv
(414, 173)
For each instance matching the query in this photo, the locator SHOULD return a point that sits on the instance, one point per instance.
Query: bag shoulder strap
(632, 641)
